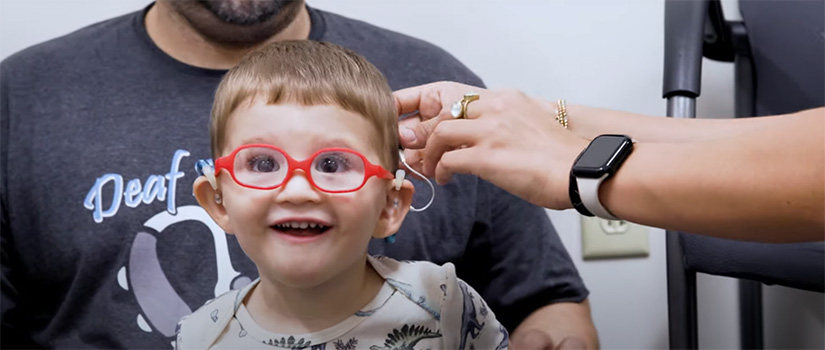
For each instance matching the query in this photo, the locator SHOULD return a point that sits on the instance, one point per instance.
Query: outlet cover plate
(613, 238)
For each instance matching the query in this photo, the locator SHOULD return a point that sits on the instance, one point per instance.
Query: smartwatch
(600, 160)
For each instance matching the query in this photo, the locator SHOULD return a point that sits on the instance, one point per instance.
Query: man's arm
(565, 325)
(13, 336)
(529, 278)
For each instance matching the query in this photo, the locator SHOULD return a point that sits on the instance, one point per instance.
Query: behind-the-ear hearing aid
(399, 179)
(205, 167)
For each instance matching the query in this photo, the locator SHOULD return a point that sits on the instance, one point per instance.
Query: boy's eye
(263, 163)
(332, 163)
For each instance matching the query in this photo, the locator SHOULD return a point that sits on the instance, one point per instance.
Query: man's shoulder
(405, 60)
(73, 46)
(345, 29)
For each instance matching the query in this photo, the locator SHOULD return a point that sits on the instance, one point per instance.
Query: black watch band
(573, 192)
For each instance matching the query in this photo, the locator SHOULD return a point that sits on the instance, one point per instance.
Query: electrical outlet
(613, 238)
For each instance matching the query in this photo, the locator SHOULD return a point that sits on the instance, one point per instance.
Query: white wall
(595, 52)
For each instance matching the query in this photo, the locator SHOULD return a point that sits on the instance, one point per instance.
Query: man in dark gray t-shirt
(103, 244)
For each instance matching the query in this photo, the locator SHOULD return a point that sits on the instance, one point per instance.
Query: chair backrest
(798, 265)
(787, 39)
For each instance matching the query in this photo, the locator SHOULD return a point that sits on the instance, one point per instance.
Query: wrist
(581, 118)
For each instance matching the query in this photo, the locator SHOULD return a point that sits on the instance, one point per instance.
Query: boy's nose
(298, 189)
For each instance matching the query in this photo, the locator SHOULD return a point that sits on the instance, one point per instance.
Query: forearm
(561, 321)
(589, 122)
(766, 184)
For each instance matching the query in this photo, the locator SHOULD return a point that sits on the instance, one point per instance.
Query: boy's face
(274, 226)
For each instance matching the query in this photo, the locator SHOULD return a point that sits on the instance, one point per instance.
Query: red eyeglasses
(331, 170)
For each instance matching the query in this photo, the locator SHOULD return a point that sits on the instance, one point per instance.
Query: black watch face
(604, 154)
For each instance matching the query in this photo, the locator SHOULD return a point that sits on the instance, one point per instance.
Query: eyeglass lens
(330, 170)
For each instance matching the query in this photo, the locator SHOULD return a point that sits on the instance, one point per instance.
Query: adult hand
(538, 340)
(508, 138)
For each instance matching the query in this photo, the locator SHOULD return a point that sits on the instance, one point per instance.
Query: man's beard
(238, 23)
(244, 12)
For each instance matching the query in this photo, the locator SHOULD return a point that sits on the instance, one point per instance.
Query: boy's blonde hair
(310, 73)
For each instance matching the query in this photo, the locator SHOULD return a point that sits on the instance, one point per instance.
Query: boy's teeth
(300, 225)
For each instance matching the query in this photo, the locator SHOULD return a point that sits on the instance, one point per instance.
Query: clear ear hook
(429, 183)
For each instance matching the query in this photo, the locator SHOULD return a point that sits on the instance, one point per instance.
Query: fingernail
(407, 134)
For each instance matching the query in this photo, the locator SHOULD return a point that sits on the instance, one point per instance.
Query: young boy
(304, 135)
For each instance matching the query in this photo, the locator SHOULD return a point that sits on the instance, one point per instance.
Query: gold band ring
(459, 108)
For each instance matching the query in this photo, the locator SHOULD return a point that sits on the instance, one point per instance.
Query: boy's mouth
(300, 228)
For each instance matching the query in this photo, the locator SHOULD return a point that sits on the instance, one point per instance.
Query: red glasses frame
(228, 163)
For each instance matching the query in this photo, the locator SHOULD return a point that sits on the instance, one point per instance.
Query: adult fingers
(462, 160)
(414, 159)
(449, 135)
(425, 102)
(419, 135)
(415, 135)
(426, 99)
(406, 136)
(432, 103)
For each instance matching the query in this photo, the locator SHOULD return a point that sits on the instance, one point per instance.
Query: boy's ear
(395, 209)
(210, 200)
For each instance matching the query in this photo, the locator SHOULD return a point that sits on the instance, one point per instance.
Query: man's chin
(244, 12)
(242, 28)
